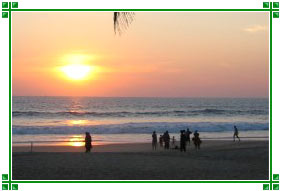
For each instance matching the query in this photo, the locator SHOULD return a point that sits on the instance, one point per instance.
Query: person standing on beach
(154, 140)
(235, 133)
(161, 140)
(188, 133)
(88, 142)
(183, 141)
(173, 141)
(196, 140)
(166, 138)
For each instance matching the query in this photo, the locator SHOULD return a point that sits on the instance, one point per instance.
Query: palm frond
(122, 20)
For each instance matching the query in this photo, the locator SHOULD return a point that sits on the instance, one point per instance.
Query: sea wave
(130, 128)
(204, 112)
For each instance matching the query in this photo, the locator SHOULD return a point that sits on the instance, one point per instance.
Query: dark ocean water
(75, 115)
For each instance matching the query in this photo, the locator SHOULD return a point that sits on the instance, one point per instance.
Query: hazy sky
(167, 54)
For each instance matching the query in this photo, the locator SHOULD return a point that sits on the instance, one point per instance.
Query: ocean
(111, 119)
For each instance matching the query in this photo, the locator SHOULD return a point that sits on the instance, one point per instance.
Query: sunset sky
(162, 54)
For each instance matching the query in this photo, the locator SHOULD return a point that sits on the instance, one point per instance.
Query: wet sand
(217, 160)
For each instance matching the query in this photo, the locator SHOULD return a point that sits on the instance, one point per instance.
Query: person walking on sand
(88, 142)
(183, 141)
(154, 140)
(196, 140)
(188, 133)
(235, 133)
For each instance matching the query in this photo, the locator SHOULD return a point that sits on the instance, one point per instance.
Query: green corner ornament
(275, 14)
(5, 176)
(275, 186)
(15, 186)
(275, 4)
(265, 4)
(5, 186)
(15, 4)
(5, 14)
(5, 5)
(265, 186)
(275, 176)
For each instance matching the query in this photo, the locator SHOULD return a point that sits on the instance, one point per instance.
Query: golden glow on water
(77, 122)
(76, 141)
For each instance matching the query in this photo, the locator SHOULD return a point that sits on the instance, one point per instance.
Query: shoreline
(105, 139)
(124, 147)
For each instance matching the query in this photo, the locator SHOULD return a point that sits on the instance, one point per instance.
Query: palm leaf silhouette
(122, 20)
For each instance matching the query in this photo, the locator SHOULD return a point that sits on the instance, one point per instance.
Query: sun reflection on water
(76, 141)
(77, 122)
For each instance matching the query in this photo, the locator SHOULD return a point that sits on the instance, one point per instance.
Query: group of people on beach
(184, 139)
(165, 138)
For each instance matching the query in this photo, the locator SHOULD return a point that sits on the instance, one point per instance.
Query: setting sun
(76, 71)
(76, 66)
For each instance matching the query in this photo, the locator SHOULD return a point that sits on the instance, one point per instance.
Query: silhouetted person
(183, 141)
(173, 140)
(166, 138)
(196, 140)
(161, 140)
(188, 133)
(154, 140)
(235, 133)
(88, 142)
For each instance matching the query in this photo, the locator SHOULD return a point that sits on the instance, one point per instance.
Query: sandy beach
(217, 160)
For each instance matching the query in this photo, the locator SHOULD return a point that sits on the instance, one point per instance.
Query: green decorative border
(271, 7)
